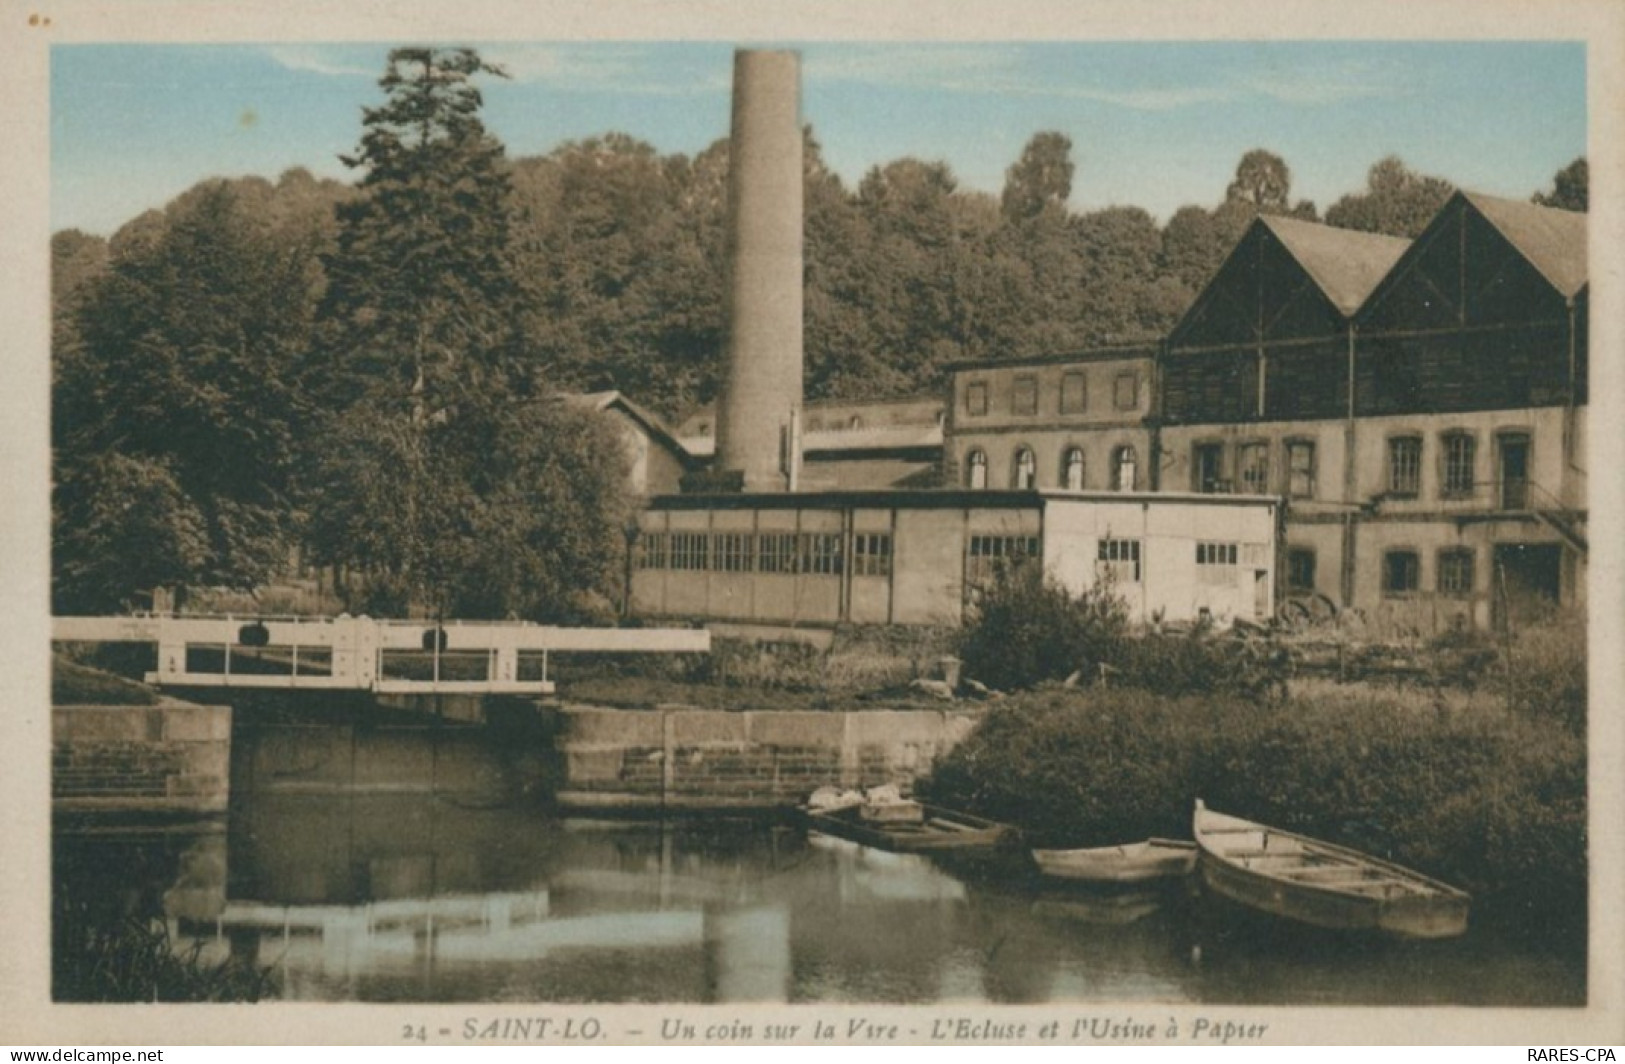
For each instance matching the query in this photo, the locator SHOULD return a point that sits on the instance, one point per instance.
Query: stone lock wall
(169, 758)
(697, 759)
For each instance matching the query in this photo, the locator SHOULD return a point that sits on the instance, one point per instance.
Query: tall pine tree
(448, 482)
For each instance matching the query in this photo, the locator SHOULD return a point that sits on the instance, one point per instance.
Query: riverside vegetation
(1482, 783)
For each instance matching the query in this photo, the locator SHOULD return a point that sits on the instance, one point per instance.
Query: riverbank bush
(1029, 628)
(1484, 797)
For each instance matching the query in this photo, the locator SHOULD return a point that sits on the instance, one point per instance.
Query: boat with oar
(1322, 884)
(1133, 862)
(902, 825)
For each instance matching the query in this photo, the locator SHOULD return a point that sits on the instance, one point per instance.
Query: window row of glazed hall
(787, 553)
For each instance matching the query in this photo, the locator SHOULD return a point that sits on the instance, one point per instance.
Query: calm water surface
(422, 898)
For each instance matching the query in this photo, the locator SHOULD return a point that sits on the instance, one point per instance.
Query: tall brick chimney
(758, 418)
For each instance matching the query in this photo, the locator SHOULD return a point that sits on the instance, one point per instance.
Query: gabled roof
(1346, 263)
(651, 422)
(1553, 240)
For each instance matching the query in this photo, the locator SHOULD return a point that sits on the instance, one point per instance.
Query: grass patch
(73, 684)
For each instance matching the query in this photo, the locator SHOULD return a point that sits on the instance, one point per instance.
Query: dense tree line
(374, 372)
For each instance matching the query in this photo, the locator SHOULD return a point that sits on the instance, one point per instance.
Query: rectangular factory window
(1074, 393)
(871, 554)
(1126, 391)
(690, 551)
(1300, 469)
(976, 398)
(821, 553)
(776, 552)
(986, 555)
(1216, 564)
(1253, 467)
(1024, 395)
(1405, 466)
(733, 552)
(652, 548)
(1207, 468)
(1460, 460)
(1456, 571)
(1300, 570)
(1401, 572)
(1119, 560)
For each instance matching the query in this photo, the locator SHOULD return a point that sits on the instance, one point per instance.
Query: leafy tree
(1570, 188)
(1041, 178)
(450, 482)
(1397, 201)
(1262, 181)
(183, 373)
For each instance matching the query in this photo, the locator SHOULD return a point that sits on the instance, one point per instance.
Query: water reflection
(414, 897)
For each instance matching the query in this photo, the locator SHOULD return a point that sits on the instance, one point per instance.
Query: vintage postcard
(993, 525)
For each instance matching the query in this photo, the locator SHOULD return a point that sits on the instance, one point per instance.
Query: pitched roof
(651, 422)
(1553, 240)
(1346, 263)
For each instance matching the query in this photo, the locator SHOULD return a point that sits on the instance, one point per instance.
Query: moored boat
(1134, 862)
(1322, 884)
(936, 829)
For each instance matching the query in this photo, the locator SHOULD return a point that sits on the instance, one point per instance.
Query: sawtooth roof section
(1553, 240)
(1346, 263)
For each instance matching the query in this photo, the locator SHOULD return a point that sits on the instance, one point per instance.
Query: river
(419, 897)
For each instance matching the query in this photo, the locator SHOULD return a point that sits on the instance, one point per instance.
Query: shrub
(1201, 664)
(1029, 628)
(1544, 674)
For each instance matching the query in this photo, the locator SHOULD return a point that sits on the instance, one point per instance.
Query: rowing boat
(936, 830)
(1321, 884)
(1134, 862)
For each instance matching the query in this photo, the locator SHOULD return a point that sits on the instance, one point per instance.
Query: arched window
(1025, 475)
(1072, 469)
(1123, 468)
(976, 469)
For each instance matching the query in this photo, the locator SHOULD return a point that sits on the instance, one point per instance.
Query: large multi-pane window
(1456, 571)
(776, 552)
(1401, 572)
(1405, 465)
(733, 552)
(871, 554)
(1300, 469)
(1253, 467)
(821, 553)
(690, 550)
(1118, 559)
(985, 555)
(1460, 456)
(1074, 393)
(1216, 564)
(1024, 395)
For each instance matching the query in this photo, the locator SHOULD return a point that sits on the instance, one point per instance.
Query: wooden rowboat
(1321, 884)
(937, 830)
(1134, 862)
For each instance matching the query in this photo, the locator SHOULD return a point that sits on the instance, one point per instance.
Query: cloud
(605, 68)
(317, 59)
(1329, 84)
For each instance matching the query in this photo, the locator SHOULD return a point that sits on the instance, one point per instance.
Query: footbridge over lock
(388, 657)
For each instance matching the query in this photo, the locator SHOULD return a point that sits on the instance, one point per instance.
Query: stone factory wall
(172, 758)
(694, 759)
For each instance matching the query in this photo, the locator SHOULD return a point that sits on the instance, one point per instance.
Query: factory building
(812, 516)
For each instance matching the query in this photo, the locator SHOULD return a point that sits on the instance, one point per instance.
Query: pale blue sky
(1155, 125)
